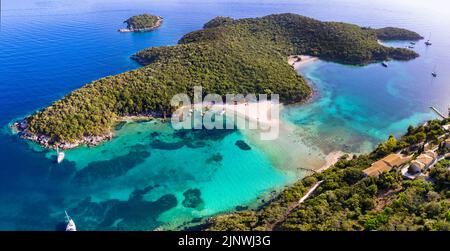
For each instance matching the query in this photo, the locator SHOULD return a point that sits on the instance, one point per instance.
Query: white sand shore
(298, 61)
(330, 160)
(261, 113)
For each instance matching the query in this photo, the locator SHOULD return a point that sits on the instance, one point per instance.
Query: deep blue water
(49, 48)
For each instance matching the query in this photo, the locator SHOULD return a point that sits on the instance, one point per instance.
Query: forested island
(347, 199)
(227, 56)
(142, 23)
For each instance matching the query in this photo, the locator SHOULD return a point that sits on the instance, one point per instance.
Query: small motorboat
(70, 223)
(385, 64)
(412, 43)
(410, 47)
(433, 73)
(60, 156)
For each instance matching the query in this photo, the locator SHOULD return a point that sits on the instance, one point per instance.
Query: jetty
(438, 112)
(307, 170)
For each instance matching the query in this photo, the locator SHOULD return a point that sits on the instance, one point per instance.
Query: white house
(422, 162)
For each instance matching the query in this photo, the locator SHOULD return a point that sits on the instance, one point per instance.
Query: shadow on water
(189, 138)
(192, 199)
(133, 214)
(98, 171)
(217, 157)
(61, 226)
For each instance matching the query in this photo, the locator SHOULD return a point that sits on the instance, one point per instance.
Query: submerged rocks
(133, 214)
(192, 198)
(215, 158)
(242, 145)
(120, 125)
(158, 144)
(241, 208)
(100, 171)
(189, 138)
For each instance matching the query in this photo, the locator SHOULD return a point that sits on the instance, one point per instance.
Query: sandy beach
(330, 160)
(258, 113)
(298, 61)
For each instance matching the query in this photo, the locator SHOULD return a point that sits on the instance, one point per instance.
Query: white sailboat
(60, 156)
(70, 223)
(428, 42)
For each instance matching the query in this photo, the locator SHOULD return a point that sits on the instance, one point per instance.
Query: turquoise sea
(150, 176)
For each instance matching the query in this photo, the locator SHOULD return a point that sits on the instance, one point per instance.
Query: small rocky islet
(142, 23)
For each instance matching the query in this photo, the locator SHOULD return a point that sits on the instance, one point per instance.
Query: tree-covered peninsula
(142, 23)
(227, 56)
(392, 33)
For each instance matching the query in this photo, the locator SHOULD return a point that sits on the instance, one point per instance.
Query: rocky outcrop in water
(21, 128)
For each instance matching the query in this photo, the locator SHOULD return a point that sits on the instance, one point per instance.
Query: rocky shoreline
(156, 26)
(21, 128)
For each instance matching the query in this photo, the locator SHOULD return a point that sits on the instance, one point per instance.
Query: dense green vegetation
(391, 33)
(347, 200)
(441, 175)
(142, 22)
(414, 140)
(228, 56)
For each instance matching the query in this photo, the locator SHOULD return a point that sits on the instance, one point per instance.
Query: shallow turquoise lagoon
(150, 176)
(171, 162)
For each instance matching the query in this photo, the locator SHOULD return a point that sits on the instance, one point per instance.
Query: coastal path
(295, 205)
